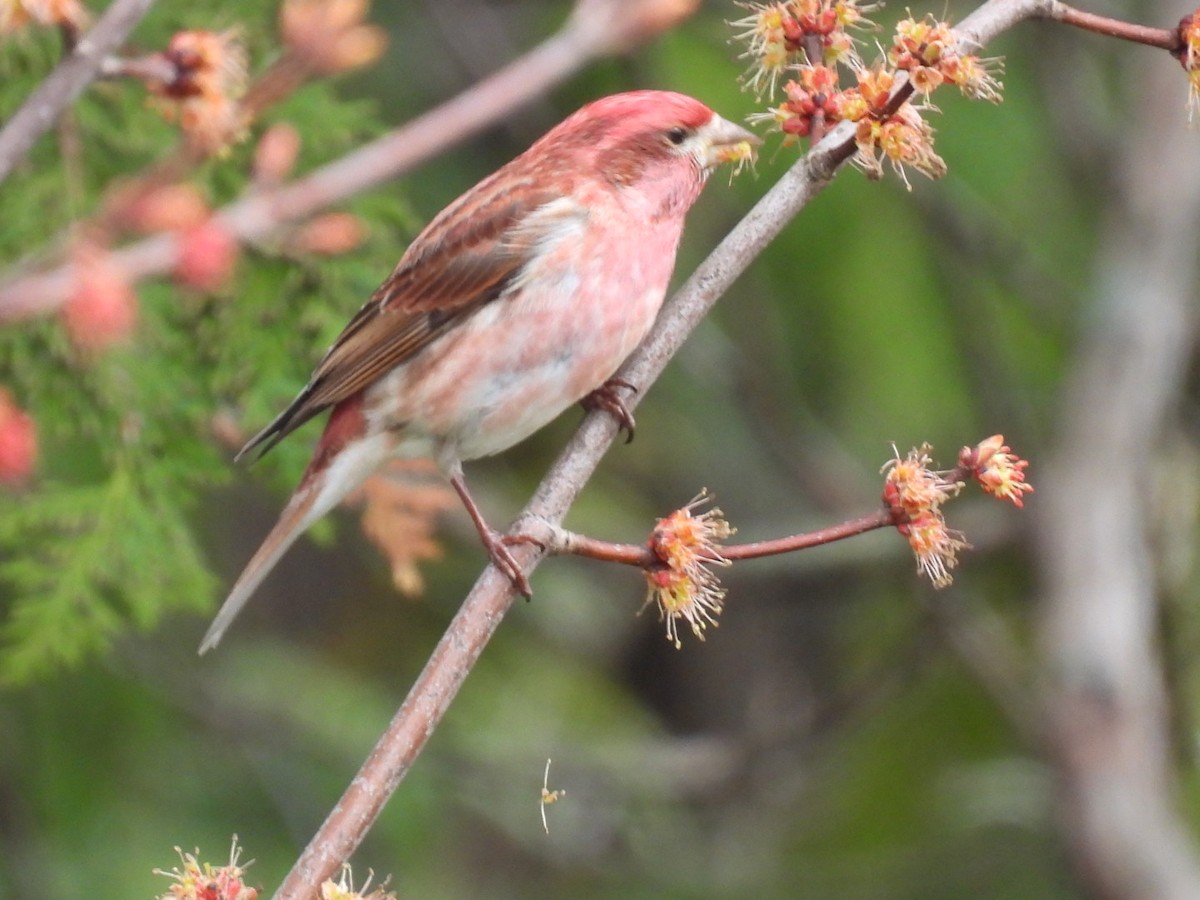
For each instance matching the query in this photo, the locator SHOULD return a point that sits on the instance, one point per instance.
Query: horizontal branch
(560, 541)
(882, 518)
(1163, 38)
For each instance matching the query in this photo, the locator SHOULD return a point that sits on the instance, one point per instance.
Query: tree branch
(1162, 38)
(490, 598)
(595, 28)
(560, 541)
(39, 112)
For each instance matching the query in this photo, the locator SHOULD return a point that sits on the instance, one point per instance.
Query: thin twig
(1162, 38)
(560, 541)
(39, 112)
(882, 518)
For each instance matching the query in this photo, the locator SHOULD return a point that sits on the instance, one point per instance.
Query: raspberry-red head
(626, 135)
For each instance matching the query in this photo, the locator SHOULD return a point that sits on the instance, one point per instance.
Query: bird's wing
(464, 259)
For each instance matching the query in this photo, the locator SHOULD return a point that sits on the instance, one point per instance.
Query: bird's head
(625, 136)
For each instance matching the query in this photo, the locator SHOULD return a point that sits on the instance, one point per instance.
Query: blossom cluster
(914, 493)
(201, 79)
(343, 888)
(682, 584)
(929, 51)
(16, 14)
(811, 44)
(199, 82)
(195, 880)
(1189, 58)
(330, 36)
(997, 470)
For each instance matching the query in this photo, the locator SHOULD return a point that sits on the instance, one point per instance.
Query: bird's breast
(585, 299)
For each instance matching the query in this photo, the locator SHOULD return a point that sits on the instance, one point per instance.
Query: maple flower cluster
(928, 50)
(1189, 58)
(992, 464)
(914, 493)
(203, 881)
(208, 74)
(330, 35)
(102, 309)
(195, 880)
(343, 888)
(201, 79)
(16, 14)
(206, 77)
(682, 584)
(809, 42)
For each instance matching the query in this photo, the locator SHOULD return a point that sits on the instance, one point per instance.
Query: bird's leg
(606, 398)
(501, 558)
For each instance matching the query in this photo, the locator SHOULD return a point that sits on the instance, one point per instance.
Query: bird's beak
(725, 142)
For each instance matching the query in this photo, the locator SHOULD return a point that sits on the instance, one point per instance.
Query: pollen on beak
(727, 142)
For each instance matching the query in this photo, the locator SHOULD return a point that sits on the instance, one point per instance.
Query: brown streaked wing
(458, 264)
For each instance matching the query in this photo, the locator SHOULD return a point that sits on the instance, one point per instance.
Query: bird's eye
(677, 135)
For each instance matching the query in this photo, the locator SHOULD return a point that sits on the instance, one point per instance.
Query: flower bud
(102, 309)
(330, 235)
(18, 442)
(276, 153)
(328, 35)
(207, 253)
(167, 208)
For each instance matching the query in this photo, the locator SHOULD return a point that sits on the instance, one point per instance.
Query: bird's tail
(337, 469)
(302, 510)
(343, 459)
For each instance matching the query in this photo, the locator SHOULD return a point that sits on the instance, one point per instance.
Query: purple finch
(520, 299)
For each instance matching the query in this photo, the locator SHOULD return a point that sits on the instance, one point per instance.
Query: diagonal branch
(490, 598)
(67, 81)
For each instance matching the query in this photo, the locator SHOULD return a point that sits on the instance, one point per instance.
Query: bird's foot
(606, 398)
(497, 548)
(493, 542)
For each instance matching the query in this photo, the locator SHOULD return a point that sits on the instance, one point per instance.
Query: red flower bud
(276, 153)
(18, 442)
(207, 253)
(102, 309)
(330, 234)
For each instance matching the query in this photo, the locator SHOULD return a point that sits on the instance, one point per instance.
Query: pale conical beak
(726, 142)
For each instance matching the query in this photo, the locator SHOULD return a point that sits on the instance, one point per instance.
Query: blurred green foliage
(107, 539)
(825, 741)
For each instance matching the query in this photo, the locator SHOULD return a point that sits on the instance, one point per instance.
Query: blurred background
(847, 731)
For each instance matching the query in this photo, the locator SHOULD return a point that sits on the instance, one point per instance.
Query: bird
(518, 300)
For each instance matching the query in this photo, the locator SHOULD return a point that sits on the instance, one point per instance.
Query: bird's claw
(606, 398)
(503, 560)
